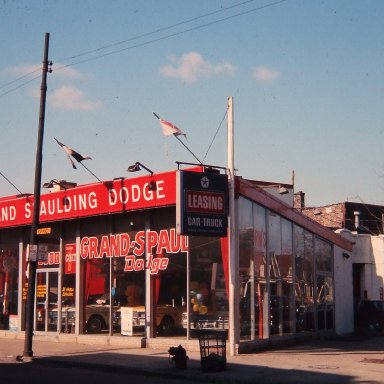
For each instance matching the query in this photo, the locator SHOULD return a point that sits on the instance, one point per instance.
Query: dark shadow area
(159, 367)
(317, 357)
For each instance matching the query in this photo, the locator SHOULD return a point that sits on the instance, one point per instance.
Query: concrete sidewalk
(352, 360)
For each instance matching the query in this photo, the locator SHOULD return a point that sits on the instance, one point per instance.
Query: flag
(169, 128)
(70, 152)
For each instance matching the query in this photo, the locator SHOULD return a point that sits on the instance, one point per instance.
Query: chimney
(299, 200)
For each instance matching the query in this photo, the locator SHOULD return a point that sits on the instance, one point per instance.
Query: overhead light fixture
(137, 167)
(346, 255)
(61, 183)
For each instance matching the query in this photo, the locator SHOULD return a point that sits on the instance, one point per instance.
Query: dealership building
(156, 248)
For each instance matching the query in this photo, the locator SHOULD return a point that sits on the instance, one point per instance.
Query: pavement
(353, 359)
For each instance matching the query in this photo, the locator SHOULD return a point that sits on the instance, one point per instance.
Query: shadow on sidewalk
(160, 367)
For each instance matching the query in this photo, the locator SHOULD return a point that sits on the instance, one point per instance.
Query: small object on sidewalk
(179, 357)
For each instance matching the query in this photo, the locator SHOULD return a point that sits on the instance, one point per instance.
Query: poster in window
(70, 259)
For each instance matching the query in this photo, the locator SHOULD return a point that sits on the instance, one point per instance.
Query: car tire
(374, 326)
(166, 326)
(94, 325)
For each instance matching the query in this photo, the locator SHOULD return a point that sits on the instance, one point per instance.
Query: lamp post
(28, 352)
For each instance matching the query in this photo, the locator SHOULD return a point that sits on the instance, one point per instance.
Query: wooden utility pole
(30, 304)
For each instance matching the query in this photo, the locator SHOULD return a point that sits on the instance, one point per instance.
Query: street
(31, 373)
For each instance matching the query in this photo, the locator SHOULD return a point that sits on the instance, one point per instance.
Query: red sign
(70, 259)
(205, 202)
(93, 199)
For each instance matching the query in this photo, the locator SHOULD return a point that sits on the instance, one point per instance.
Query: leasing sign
(201, 204)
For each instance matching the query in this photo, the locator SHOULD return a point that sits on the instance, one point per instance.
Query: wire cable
(155, 31)
(214, 136)
(178, 33)
(19, 86)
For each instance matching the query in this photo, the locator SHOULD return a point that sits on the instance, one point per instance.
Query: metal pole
(28, 352)
(231, 233)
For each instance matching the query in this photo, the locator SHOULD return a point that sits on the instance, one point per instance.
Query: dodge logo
(204, 182)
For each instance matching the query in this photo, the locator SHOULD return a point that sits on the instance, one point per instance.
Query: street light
(63, 184)
(137, 167)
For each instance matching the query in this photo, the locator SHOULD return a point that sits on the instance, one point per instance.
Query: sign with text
(127, 321)
(115, 196)
(70, 259)
(201, 204)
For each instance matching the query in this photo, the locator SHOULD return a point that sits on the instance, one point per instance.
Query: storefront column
(22, 279)
(79, 291)
(150, 326)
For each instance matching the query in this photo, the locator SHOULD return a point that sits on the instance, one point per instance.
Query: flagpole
(89, 171)
(188, 149)
(176, 135)
(13, 185)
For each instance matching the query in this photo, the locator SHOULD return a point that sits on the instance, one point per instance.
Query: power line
(178, 33)
(19, 86)
(155, 31)
(171, 35)
(19, 78)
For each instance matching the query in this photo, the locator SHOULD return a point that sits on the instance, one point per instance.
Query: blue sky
(306, 78)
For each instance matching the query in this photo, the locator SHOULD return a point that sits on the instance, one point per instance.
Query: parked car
(168, 317)
(369, 315)
(96, 316)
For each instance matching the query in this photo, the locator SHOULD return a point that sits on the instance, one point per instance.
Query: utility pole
(30, 304)
(232, 259)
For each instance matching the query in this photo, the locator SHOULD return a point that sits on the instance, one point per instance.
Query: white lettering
(8, 213)
(195, 221)
(148, 194)
(112, 197)
(28, 212)
(135, 193)
(160, 189)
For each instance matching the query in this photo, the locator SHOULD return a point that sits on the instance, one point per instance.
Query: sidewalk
(353, 360)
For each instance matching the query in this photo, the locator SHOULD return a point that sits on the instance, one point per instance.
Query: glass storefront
(130, 274)
(277, 264)
(134, 261)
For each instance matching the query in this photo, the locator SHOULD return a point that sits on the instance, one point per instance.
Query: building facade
(112, 263)
(362, 224)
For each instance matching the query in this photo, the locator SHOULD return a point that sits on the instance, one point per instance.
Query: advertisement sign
(13, 323)
(127, 321)
(114, 196)
(70, 259)
(42, 252)
(201, 204)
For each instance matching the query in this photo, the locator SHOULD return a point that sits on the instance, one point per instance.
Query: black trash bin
(213, 349)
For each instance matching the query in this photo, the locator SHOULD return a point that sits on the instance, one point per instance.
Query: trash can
(213, 349)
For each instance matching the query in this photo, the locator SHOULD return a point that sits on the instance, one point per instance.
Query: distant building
(362, 224)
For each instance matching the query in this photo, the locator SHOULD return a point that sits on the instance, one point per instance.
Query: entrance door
(46, 300)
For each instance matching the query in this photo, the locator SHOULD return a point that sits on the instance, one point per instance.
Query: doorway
(46, 304)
